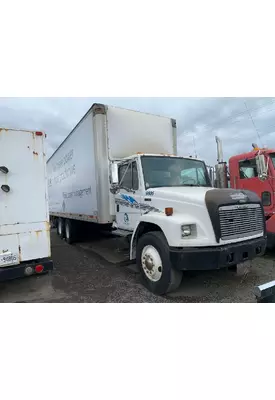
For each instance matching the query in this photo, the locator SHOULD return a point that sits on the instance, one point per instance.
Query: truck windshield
(174, 171)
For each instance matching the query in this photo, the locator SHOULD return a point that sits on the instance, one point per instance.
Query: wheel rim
(151, 263)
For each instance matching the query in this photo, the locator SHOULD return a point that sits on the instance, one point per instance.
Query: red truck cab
(244, 175)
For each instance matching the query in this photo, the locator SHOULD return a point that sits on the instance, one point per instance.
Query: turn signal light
(169, 211)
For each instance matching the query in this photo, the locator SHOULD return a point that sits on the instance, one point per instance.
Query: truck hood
(186, 194)
(201, 196)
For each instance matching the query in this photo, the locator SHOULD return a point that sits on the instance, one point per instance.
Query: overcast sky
(199, 119)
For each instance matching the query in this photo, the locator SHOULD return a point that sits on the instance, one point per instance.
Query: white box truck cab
(120, 168)
(25, 247)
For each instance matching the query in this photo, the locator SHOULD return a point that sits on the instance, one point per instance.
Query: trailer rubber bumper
(211, 258)
(25, 269)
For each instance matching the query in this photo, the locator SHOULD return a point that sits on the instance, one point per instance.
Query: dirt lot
(82, 275)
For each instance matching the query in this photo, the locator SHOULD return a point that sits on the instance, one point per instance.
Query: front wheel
(153, 259)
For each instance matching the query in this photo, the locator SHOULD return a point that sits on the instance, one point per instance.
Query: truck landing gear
(153, 260)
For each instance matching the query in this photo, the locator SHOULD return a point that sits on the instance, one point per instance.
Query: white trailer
(24, 216)
(119, 168)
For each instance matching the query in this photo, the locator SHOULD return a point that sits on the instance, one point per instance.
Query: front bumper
(24, 269)
(211, 258)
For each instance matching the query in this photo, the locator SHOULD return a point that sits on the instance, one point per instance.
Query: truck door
(129, 197)
(248, 180)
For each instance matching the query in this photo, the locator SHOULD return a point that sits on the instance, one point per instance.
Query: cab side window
(248, 169)
(129, 179)
(125, 176)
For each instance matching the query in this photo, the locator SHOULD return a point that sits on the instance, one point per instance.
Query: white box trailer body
(24, 214)
(120, 167)
(78, 172)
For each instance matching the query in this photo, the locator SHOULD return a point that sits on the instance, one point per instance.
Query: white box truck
(119, 168)
(24, 215)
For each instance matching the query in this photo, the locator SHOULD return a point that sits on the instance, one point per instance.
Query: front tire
(153, 260)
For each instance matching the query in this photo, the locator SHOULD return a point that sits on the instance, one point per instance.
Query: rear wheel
(60, 227)
(153, 259)
(69, 231)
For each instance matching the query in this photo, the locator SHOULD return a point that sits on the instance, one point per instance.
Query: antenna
(194, 143)
(252, 120)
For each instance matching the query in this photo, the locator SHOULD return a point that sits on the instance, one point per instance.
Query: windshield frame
(203, 165)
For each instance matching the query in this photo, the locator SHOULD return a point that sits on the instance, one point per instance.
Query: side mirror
(262, 167)
(114, 174)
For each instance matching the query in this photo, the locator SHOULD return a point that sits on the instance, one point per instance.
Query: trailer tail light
(39, 269)
(39, 133)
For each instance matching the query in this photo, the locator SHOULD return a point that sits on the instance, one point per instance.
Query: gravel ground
(82, 276)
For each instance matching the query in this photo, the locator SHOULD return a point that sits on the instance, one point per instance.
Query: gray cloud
(199, 119)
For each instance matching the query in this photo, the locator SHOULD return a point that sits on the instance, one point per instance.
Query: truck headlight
(185, 230)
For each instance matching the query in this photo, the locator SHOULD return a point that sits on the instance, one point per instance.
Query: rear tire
(60, 228)
(153, 260)
(70, 231)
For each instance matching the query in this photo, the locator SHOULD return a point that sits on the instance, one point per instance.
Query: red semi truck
(254, 171)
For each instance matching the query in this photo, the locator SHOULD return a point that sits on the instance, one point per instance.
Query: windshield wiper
(191, 185)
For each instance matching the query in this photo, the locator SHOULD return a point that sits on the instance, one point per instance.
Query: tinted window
(128, 176)
(266, 198)
(125, 176)
(174, 171)
(194, 175)
(248, 169)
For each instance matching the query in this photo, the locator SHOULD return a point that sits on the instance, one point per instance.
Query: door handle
(117, 208)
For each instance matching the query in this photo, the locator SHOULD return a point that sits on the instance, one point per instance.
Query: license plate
(7, 259)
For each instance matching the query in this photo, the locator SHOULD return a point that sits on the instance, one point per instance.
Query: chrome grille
(241, 221)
